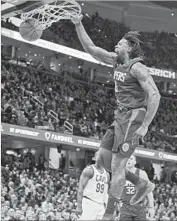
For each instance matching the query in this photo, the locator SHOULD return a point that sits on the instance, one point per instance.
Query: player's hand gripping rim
(76, 19)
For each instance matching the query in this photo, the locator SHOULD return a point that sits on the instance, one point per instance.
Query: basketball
(31, 29)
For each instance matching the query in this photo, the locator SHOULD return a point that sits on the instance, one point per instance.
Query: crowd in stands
(38, 194)
(37, 99)
(160, 48)
(34, 193)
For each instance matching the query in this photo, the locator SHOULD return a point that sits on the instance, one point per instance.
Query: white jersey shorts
(92, 210)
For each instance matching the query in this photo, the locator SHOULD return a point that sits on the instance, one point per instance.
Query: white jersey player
(93, 192)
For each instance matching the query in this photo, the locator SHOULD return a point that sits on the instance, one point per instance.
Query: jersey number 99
(100, 188)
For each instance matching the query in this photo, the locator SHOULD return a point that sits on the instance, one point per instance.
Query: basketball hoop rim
(56, 11)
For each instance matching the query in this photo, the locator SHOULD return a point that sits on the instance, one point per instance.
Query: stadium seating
(35, 98)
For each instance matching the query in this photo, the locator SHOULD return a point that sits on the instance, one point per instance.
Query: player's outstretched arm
(141, 73)
(88, 45)
(86, 175)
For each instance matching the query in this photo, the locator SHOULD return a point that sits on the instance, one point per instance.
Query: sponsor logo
(47, 135)
(145, 152)
(125, 147)
(162, 73)
(57, 137)
(160, 155)
(23, 132)
(167, 156)
(88, 143)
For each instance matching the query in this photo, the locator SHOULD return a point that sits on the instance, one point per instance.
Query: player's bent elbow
(156, 94)
(90, 49)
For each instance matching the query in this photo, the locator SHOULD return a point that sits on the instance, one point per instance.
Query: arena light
(88, 15)
(25, 151)
(15, 21)
(172, 14)
(33, 151)
(11, 152)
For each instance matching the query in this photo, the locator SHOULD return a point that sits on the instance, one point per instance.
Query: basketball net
(48, 14)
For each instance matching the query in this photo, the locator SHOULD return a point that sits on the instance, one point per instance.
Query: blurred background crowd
(158, 47)
(31, 192)
(42, 100)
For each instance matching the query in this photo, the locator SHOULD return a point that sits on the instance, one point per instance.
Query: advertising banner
(48, 136)
(83, 142)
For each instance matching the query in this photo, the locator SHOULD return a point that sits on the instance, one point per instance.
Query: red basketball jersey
(128, 91)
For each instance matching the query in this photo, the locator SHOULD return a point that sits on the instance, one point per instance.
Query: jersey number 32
(130, 190)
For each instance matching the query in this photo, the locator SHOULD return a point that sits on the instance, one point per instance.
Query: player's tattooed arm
(88, 45)
(86, 175)
(141, 73)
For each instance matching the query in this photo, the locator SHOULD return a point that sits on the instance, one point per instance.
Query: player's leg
(125, 214)
(120, 156)
(89, 210)
(100, 212)
(126, 217)
(125, 127)
(141, 216)
(142, 187)
(104, 158)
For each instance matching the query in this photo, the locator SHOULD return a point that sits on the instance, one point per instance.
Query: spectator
(62, 162)
(151, 172)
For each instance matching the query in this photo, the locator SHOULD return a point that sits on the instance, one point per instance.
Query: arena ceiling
(138, 15)
(167, 4)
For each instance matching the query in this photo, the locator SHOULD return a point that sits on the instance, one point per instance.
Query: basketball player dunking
(93, 192)
(138, 211)
(137, 103)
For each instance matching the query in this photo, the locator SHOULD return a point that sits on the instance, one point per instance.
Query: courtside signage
(76, 53)
(59, 138)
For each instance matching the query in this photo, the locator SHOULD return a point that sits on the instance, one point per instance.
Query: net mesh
(48, 14)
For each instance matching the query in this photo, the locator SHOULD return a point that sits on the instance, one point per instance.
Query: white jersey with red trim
(97, 187)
